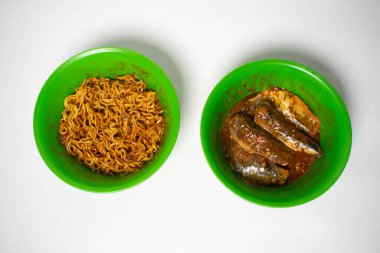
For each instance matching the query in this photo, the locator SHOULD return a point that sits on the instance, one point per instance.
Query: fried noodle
(112, 126)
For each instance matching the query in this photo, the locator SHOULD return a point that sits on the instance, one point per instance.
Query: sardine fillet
(272, 121)
(257, 169)
(292, 108)
(257, 141)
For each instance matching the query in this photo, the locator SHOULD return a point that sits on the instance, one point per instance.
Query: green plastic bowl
(100, 62)
(322, 98)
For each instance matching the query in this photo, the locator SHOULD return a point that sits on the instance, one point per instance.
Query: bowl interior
(102, 62)
(321, 97)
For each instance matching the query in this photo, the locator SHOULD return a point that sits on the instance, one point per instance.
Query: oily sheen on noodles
(112, 126)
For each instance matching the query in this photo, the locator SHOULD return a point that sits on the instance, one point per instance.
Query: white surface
(183, 207)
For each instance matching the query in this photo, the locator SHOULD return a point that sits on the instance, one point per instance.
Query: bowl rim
(231, 186)
(170, 143)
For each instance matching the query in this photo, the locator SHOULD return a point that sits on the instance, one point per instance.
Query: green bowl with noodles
(100, 63)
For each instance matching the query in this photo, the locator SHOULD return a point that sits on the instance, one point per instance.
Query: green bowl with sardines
(329, 144)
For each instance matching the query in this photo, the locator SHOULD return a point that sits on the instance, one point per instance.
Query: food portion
(271, 138)
(273, 122)
(256, 168)
(112, 126)
(292, 108)
(257, 141)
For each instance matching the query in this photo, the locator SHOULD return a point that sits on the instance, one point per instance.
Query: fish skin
(295, 110)
(290, 106)
(266, 116)
(255, 168)
(255, 140)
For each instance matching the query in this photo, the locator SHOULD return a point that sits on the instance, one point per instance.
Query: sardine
(257, 141)
(256, 168)
(272, 121)
(291, 107)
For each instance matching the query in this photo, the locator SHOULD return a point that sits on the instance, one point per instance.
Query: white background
(183, 207)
